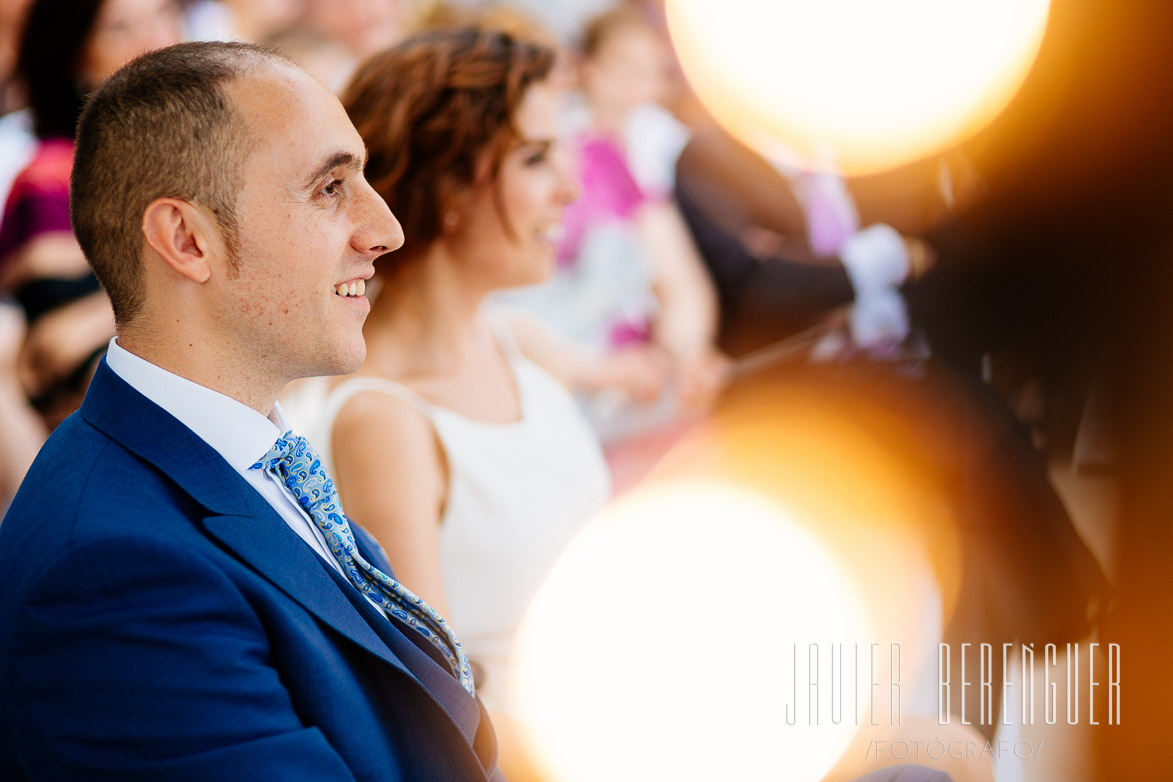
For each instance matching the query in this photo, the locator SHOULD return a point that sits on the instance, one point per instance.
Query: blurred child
(630, 283)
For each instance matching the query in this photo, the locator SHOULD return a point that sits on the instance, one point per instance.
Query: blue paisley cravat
(300, 469)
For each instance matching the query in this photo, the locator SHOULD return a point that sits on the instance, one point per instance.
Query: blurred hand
(702, 376)
(641, 372)
(921, 257)
(63, 339)
(12, 333)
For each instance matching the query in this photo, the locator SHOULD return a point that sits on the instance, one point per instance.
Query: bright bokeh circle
(661, 645)
(867, 84)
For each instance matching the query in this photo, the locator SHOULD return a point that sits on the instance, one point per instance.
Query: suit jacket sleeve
(175, 666)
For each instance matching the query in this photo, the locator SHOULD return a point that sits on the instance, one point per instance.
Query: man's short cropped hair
(161, 127)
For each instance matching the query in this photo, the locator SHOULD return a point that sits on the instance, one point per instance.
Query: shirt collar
(237, 432)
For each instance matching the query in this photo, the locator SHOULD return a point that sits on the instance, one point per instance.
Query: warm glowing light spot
(875, 83)
(662, 645)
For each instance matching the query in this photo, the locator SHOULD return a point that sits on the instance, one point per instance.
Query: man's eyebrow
(337, 160)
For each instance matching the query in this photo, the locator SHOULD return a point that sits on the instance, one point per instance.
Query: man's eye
(333, 188)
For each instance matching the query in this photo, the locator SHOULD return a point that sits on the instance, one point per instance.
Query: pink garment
(39, 200)
(608, 192)
(626, 333)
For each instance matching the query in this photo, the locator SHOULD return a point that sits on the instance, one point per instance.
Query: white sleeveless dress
(517, 493)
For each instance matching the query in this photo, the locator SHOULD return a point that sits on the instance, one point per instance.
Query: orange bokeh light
(861, 84)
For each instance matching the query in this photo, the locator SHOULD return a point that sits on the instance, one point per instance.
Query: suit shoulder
(85, 485)
(80, 463)
(60, 472)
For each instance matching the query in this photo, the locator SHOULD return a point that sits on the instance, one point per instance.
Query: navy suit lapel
(264, 541)
(240, 519)
(115, 408)
(237, 516)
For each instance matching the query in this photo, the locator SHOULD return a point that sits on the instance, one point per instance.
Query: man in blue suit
(167, 610)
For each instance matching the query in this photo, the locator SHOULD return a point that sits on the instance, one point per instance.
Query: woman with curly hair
(470, 463)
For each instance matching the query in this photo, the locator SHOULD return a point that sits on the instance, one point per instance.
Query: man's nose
(379, 231)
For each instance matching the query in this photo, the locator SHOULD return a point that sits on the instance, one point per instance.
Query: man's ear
(183, 235)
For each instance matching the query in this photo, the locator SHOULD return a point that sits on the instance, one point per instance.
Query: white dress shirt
(234, 430)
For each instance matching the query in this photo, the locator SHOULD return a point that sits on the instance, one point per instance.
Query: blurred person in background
(788, 244)
(24, 431)
(512, 19)
(67, 48)
(239, 20)
(630, 282)
(17, 141)
(321, 56)
(331, 37)
(491, 467)
(564, 19)
(11, 23)
(364, 27)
